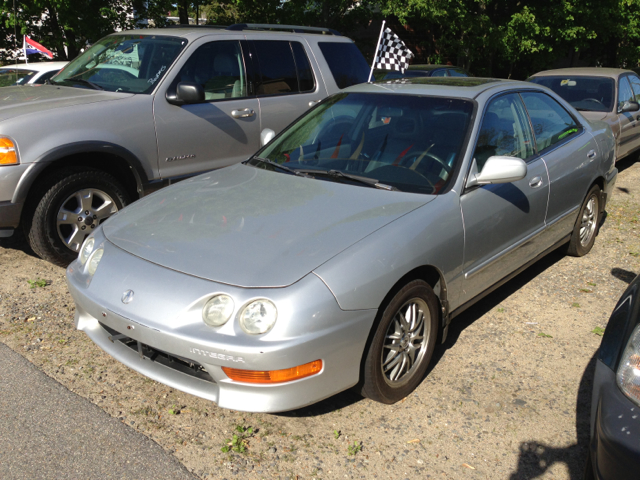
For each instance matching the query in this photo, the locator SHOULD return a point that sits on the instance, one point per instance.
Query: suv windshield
(122, 63)
(407, 142)
(583, 93)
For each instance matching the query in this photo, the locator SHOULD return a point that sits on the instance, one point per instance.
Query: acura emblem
(127, 296)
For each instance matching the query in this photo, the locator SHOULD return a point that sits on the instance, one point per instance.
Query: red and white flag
(35, 48)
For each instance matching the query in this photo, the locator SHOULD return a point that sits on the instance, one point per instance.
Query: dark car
(614, 450)
(422, 71)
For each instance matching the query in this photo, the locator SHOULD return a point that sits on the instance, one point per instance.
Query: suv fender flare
(33, 171)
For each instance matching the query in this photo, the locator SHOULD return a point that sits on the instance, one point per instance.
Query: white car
(29, 73)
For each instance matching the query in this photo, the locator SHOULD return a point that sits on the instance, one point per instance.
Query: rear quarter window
(346, 63)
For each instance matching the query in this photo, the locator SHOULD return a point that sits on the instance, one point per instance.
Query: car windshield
(15, 76)
(583, 93)
(406, 142)
(122, 63)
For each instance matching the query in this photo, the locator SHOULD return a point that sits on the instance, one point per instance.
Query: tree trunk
(183, 12)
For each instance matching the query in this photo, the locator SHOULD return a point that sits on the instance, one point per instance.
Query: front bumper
(615, 432)
(161, 335)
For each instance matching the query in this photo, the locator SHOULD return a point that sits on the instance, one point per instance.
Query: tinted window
(409, 142)
(457, 72)
(218, 67)
(551, 123)
(277, 67)
(635, 84)
(305, 73)
(12, 76)
(583, 93)
(505, 131)
(346, 63)
(439, 73)
(624, 92)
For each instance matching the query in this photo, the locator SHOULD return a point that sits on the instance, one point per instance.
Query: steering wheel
(592, 100)
(113, 75)
(341, 122)
(417, 155)
(380, 173)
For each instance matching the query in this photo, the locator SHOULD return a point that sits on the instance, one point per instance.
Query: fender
(57, 153)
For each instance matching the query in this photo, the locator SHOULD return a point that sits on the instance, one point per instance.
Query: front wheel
(587, 224)
(72, 204)
(403, 344)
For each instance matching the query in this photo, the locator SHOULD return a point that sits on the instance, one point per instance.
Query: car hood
(25, 99)
(249, 227)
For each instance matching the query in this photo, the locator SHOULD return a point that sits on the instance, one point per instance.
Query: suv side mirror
(497, 169)
(629, 107)
(186, 93)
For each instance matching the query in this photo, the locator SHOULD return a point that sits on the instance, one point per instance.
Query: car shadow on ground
(17, 242)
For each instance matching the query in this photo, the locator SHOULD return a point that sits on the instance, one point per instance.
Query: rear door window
(346, 63)
(284, 68)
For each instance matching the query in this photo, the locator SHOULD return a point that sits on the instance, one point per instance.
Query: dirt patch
(508, 395)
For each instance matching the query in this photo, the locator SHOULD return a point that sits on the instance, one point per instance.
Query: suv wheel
(70, 206)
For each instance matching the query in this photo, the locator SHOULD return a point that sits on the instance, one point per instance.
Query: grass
(37, 283)
(354, 448)
(598, 331)
(575, 305)
(336, 434)
(544, 335)
(239, 442)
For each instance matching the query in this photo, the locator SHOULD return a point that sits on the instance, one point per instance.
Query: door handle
(591, 155)
(313, 102)
(243, 113)
(535, 182)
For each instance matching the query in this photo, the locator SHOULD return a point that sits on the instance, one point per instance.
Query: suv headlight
(217, 311)
(258, 316)
(86, 249)
(628, 375)
(8, 152)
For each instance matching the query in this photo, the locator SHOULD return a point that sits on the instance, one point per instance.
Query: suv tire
(70, 205)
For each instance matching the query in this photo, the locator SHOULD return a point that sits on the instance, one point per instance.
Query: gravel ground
(507, 396)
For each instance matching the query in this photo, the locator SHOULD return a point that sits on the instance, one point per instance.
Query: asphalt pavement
(49, 432)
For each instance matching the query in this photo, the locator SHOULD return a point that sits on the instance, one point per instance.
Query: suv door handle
(591, 155)
(313, 102)
(535, 182)
(243, 113)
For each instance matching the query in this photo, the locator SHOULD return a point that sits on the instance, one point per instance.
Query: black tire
(587, 224)
(379, 383)
(55, 242)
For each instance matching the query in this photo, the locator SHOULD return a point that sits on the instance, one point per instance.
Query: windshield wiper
(280, 166)
(95, 86)
(370, 182)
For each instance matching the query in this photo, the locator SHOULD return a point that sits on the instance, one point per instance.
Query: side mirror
(266, 136)
(186, 93)
(497, 169)
(629, 107)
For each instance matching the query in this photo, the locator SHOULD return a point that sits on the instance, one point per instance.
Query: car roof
(584, 71)
(460, 87)
(198, 31)
(38, 67)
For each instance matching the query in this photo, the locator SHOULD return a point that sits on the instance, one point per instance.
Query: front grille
(180, 364)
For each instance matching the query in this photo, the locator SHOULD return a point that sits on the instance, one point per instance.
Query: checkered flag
(392, 53)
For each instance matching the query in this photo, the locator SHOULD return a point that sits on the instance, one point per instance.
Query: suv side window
(219, 68)
(625, 94)
(284, 68)
(505, 131)
(306, 79)
(346, 63)
(551, 122)
(635, 84)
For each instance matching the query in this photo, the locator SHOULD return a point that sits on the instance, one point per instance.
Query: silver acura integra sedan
(339, 254)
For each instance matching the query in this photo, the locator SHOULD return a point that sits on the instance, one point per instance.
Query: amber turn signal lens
(8, 154)
(274, 376)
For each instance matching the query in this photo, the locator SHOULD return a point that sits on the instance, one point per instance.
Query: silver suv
(142, 109)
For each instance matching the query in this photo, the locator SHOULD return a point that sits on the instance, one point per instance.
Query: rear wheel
(403, 344)
(587, 224)
(71, 205)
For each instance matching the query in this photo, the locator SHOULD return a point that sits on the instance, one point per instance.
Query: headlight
(94, 260)
(628, 375)
(258, 316)
(218, 310)
(86, 249)
(8, 154)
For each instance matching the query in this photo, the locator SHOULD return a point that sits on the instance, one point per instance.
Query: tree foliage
(489, 37)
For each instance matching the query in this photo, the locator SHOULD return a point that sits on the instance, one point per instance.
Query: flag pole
(24, 49)
(376, 53)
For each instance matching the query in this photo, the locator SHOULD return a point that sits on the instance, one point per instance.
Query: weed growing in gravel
(240, 440)
(355, 448)
(336, 434)
(37, 283)
(575, 305)
(591, 284)
(544, 335)
(500, 309)
(598, 331)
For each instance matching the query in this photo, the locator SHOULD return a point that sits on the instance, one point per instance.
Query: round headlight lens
(86, 249)
(94, 260)
(258, 316)
(218, 310)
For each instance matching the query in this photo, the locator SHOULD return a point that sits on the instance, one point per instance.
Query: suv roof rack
(293, 28)
(181, 25)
